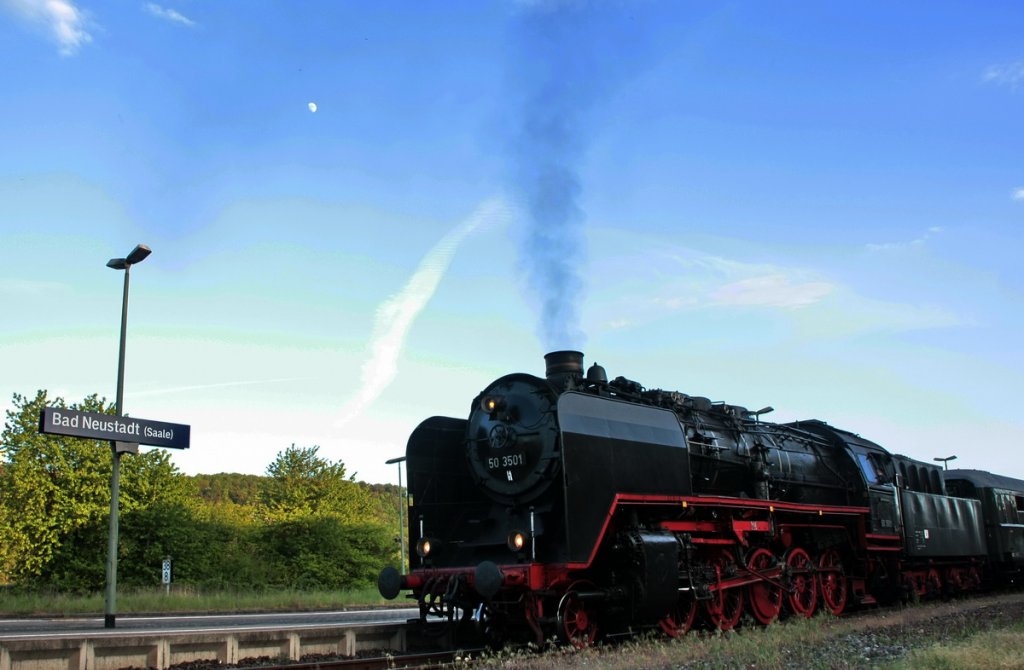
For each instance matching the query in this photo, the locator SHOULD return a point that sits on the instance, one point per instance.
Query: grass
(776, 646)
(956, 635)
(185, 600)
(990, 650)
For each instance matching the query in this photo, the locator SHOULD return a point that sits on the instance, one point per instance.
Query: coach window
(1008, 505)
(868, 467)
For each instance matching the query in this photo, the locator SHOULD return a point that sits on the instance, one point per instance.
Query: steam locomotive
(571, 505)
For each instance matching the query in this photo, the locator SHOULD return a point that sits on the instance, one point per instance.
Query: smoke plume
(563, 62)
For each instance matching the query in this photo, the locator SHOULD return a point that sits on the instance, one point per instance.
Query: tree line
(305, 524)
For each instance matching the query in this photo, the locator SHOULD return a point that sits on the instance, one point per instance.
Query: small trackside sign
(60, 421)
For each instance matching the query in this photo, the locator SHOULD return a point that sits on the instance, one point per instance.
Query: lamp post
(137, 255)
(401, 507)
(945, 461)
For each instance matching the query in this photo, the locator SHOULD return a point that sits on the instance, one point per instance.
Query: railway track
(856, 626)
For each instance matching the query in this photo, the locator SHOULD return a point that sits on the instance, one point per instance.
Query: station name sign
(60, 421)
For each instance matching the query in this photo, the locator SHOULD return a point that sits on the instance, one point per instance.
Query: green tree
(322, 528)
(320, 552)
(230, 497)
(55, 496)
(300, 483)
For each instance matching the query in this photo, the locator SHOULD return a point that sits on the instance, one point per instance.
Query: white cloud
(396, 315)
(644, 281)
(755, 284)
(914, 243)
(200, 387)
(1018, 193)
(775, 290)
(61, 18)
(1009, 74)
(29, 287)
(168, 14)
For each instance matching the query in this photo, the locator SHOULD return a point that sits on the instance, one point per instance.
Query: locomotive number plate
(507, 461)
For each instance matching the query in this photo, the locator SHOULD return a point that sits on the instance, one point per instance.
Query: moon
(312, 107)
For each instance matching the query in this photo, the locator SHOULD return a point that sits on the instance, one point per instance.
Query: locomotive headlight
(423, 547)
(516, 540)
(492, 404)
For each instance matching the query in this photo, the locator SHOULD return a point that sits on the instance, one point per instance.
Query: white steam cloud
(396, 315)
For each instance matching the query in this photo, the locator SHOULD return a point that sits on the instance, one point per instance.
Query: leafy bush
(320, 552)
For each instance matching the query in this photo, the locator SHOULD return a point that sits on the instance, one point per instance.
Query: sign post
(125, 434)
(166, 577)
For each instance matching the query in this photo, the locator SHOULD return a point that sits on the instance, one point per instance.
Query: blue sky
(817, 207)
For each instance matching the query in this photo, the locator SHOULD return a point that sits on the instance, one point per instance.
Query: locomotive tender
(571, 504)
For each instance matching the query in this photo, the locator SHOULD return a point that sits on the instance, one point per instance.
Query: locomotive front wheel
(679, 621)
(576, 626)
(804, 595)
(725, 607)
(490, 626)
(832, 581)
(765, 599)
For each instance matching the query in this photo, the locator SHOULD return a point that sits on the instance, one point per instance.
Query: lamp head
(137, 255)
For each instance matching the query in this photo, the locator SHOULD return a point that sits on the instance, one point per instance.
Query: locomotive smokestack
(563, 367)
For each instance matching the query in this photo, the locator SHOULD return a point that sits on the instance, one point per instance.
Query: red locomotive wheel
(576, 626)
(680, 620)
(933, 583)
(973, 578)
(726, 605)
(955, 579)
(832, 581)
(765, 599)
(804, 595)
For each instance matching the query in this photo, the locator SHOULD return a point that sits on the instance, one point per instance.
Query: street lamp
(945, 461)
(137, 255)
(401, 507)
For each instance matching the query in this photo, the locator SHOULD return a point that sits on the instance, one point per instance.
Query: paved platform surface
(55, 628)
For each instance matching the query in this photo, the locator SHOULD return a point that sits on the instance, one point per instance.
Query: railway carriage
(1002, 501)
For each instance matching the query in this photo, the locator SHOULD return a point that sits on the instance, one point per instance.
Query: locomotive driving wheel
(954, 578)
(765, 598)
(803, 597)
(933, 584)
(832, 581)
(681, 617)
(725, 607)
(973, 578)
(576, 625)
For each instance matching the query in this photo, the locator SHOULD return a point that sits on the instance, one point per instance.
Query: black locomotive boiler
(570, 504)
